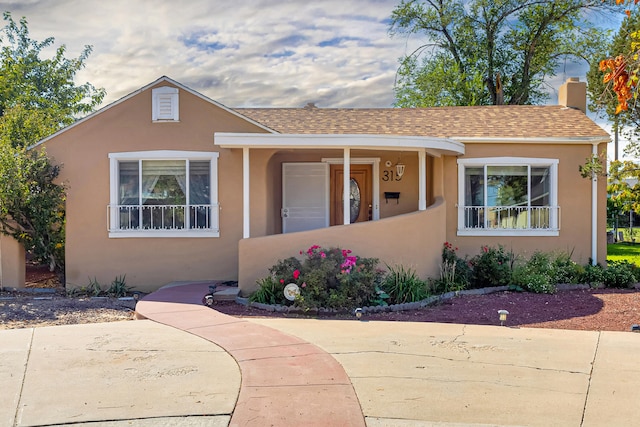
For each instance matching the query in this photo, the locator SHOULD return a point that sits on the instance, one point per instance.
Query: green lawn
(624, 251)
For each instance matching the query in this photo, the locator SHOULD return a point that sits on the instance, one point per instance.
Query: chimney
(573, 94)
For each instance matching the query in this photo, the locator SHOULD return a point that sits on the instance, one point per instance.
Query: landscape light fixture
(358, 313)
(503, 316)
(635, 328)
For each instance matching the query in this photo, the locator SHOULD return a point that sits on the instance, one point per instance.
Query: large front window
(507, 196)
(158, 193)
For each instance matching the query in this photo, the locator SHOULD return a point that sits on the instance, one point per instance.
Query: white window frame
(554, 225)
(165, 94)
(115, 158)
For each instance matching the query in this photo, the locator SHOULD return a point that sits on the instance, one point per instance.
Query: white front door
(305, 196)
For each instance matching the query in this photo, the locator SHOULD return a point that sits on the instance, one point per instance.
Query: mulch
(580, 309)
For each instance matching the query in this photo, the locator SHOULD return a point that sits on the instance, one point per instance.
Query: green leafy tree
(483, 52)
(37, 98)
(32, 204)
(30, 85)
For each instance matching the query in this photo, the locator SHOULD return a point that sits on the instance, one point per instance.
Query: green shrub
(455, 272)
(530, 280)
(118, 287)
(565, 270)
(491, 268)
(403, 285)
(537, 274)
(620, 274)
(269, 291)
(593, 275)
(330, 278)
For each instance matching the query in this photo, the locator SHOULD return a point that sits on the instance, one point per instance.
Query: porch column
(245, 193)
(594, 212)
(346, 200)
(422, 180)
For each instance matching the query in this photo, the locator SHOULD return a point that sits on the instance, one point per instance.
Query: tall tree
(482, 52)
(37, 98)
(32, 85)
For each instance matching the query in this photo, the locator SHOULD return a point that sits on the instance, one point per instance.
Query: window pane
(199, 181)
(200, 193)
(474, 186)
(507, 185)
(128, 183)
(164, 182)
(163, 193)
(474, 196)
(128, 195)
(540, 186)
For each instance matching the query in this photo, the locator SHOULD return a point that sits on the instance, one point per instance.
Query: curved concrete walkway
(264, 371)
(286, 381)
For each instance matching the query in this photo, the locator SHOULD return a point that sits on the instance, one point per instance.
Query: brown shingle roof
(517, 121)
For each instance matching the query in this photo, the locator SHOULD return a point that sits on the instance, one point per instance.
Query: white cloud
(241, 53)
(335, 53)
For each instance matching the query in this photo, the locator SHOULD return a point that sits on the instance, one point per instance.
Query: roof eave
(442, 146)
(578, 140)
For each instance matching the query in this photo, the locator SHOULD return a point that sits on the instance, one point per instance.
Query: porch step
(225, 293)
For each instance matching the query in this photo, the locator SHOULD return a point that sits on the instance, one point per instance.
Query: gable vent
(165, 104)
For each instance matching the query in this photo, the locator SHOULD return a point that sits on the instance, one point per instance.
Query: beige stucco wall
(412, 240)
(12, 263)
(147, 262)
(574, 199)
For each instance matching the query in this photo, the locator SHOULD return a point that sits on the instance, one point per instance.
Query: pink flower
(323, 255)
(304, 285)
(281, 280)
(312, 249)
(296, 274)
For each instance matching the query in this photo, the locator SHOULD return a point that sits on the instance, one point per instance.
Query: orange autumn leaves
(616, 72)
(627, 12)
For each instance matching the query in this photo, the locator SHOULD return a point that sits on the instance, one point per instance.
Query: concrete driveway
(193, 366)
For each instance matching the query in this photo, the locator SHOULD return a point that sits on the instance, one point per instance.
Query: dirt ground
(586, 309)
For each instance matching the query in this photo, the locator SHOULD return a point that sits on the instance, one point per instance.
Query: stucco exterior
(409, 231)
(148, 263)
(574, 199)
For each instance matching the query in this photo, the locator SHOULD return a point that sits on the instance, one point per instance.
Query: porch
(292, 198)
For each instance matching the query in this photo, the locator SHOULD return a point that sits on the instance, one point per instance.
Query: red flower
(296, 274)
(281, 280)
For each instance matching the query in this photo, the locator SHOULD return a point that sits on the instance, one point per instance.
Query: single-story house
(167, 185)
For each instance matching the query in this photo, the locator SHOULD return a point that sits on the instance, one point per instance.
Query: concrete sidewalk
(144, 373)
(141, 373)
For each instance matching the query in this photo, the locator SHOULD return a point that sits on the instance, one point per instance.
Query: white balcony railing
(510, 217)
(162, 217)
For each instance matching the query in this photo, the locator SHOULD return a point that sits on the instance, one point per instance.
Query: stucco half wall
(413, 240)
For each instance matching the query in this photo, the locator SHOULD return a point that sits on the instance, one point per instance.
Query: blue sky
(242, 53)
